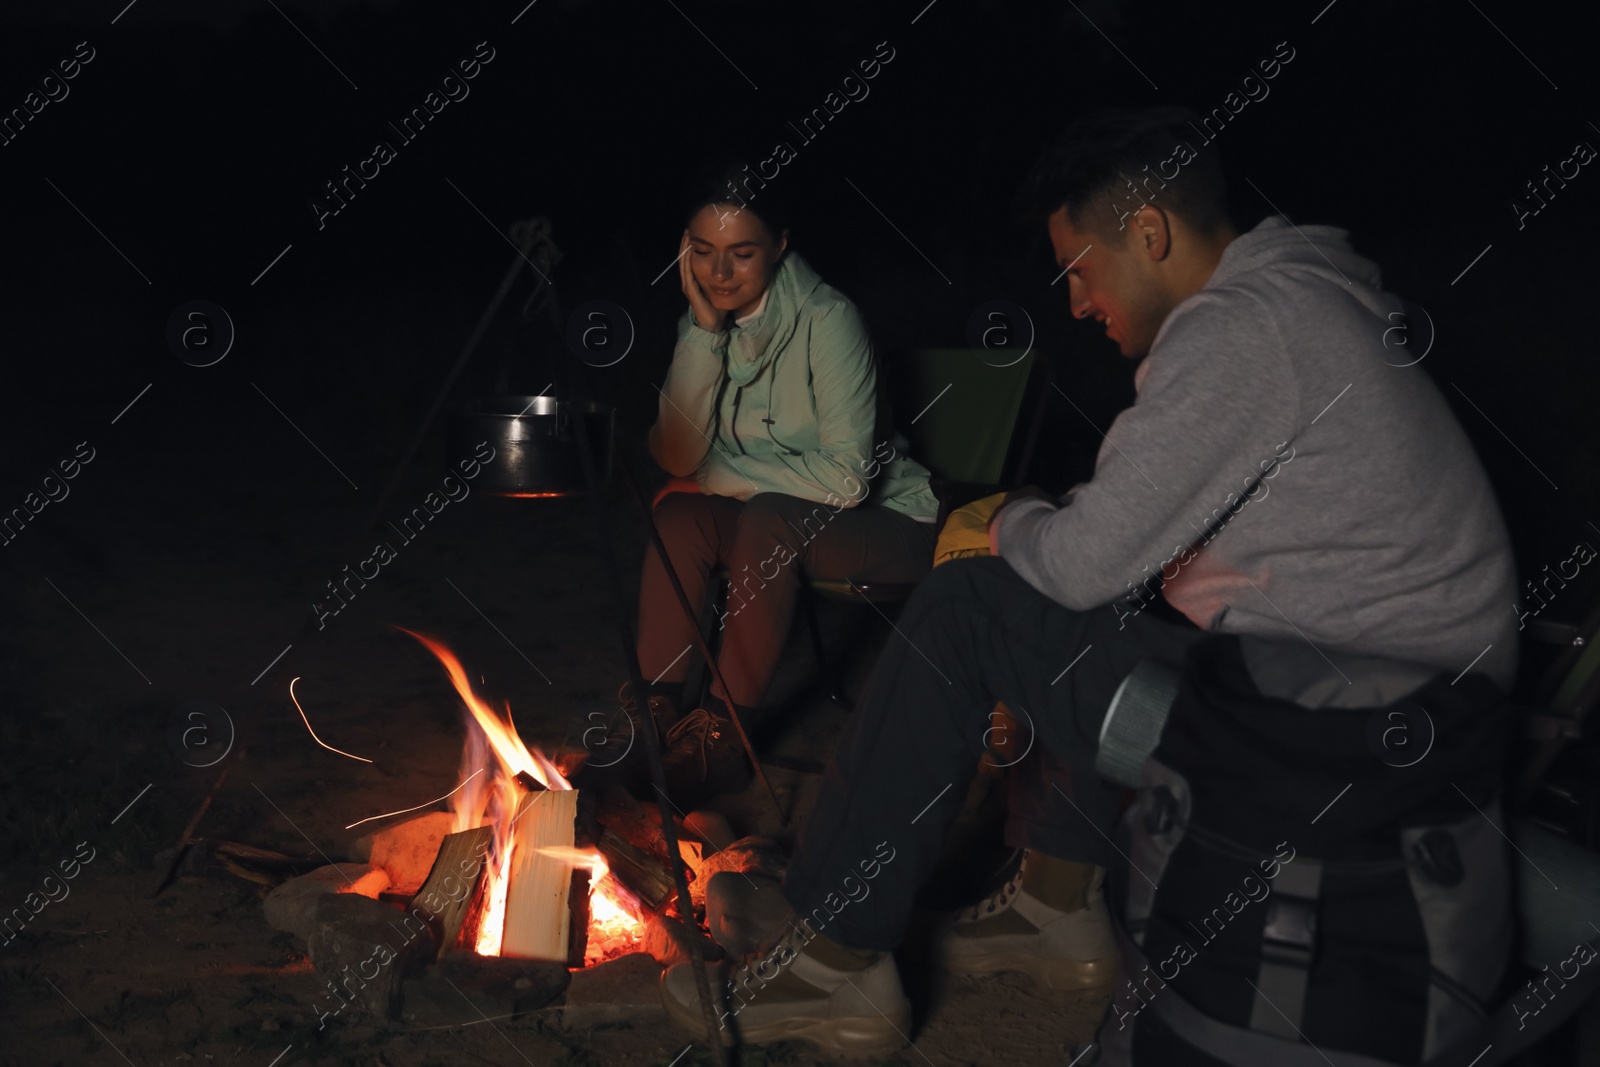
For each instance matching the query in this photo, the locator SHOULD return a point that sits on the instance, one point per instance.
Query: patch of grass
(244, 905)
(132, 1008)
(344, 1041)
(75, 769)
(575, 1056)
(780, 1052)
(17, 975)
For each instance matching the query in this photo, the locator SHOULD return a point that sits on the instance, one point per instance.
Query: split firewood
(203, 857)
(645, 876)
(452, 892)
(538, 917)
(578, 902)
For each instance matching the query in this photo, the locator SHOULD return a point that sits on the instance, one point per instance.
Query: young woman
(783, 468)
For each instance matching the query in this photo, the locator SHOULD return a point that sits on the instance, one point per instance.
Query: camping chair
(963, 429)
(1555, 715)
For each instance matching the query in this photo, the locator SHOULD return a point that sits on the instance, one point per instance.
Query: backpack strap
(1513, 1028)
(1506, 1034)
(1288, 944)
(1227, 1044)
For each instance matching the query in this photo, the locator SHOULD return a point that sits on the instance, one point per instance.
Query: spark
(313, 733)
(402, 811)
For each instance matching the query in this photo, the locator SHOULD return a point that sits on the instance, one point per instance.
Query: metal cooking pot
(536, 450)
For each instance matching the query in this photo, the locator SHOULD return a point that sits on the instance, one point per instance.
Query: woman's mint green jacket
(787, 403)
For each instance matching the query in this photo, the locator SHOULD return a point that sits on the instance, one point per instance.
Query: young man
(1280, 477)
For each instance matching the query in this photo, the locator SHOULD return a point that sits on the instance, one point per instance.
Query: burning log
(582, 912)
(535, 900)
(539, 913)
(640, 872)
(451, 893)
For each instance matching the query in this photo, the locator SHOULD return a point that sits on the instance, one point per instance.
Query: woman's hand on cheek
(707, 316)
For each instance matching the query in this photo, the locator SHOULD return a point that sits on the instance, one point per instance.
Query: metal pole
(703, 647)
(685, 933)
(531, 233)
(652, 747)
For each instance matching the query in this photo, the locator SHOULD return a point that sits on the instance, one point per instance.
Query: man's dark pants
(975, 632)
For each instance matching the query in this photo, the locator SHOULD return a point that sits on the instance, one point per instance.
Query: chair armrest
(1550, 632)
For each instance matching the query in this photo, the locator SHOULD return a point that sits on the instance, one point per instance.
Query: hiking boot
(617, 739)
(1049, 921)
(804, 988)
(662, 708)
(702, 757)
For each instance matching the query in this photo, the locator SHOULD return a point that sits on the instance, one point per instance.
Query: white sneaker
(1016, 931)
(786, 994)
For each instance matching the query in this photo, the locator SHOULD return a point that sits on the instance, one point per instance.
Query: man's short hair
(1105, 165)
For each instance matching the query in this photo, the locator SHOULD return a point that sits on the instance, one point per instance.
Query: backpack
(1296, 892)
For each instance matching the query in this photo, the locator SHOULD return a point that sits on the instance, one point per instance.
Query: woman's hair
(732, 180)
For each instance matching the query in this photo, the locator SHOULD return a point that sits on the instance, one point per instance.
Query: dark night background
(197, 137)
(196, 145)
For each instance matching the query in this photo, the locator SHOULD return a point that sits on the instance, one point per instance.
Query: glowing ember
(493, 745)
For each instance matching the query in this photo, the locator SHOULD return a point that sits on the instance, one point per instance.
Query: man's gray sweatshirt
(1284, 474)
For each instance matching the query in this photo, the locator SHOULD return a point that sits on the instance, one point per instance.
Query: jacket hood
(1323, 251)
(752, 346)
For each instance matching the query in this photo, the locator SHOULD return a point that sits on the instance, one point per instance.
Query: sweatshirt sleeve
(1216, 398)
(681, 436)
(844, 397)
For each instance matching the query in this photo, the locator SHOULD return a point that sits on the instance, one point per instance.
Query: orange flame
(493, 743)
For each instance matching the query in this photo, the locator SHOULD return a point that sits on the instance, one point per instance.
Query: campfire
(522, 888)
(536, 894)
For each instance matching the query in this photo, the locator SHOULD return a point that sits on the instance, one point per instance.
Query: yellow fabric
(966, 531)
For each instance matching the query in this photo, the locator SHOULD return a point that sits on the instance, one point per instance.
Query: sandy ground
(143, 592)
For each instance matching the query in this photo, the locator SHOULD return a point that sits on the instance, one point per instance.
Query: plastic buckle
(1439, 858)
(1290, 934)
(1161, 814)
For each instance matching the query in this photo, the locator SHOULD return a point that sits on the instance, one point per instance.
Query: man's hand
(1027, 492)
